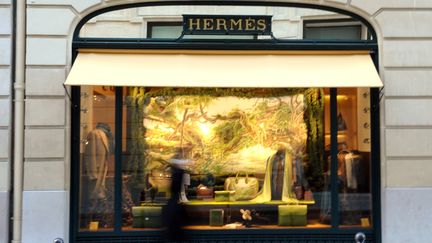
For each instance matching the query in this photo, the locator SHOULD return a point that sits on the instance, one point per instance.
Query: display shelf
(343, 133)
(311, 224)
(273, 226)
(275, 202)
(196, 202)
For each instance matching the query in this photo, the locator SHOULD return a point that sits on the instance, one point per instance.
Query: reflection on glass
(354, 158)
(247, 156)
(97, 153)
(325, 196)
(252, 157)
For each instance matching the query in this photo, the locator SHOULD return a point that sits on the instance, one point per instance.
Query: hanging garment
(351, 171)
(96, 161)
(298, 174)
(325, 214)
(265, 195)
(341, 171)
(277, 177)
(361, 170)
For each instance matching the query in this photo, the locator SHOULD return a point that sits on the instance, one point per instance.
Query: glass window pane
(333, 33)
(325, 196)
(96, 209)
(240, 149)
(354, 161)
(165, 30)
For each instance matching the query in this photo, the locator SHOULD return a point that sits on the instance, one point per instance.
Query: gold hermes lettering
(236, 25)
(208, 24)
(194, 24)
(250, 24)
(221, 24)
(261, 24)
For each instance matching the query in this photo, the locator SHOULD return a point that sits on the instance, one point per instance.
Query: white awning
(276, 69)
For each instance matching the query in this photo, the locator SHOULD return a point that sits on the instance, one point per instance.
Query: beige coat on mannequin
(96, 162)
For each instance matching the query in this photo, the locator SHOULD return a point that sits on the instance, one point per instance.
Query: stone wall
(405, 41)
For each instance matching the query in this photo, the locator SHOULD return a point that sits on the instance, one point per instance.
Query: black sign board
(226, 25)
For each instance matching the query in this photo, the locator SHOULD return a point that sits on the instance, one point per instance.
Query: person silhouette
(174, 212)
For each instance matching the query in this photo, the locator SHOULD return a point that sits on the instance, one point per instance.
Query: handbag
(204, 192)
(244, 187)
(292, 215)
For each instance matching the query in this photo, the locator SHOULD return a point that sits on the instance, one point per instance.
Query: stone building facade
(405, 66)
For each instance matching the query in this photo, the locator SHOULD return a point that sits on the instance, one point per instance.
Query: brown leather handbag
(204, 192)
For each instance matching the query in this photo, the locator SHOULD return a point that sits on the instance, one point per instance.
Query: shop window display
(354, 161)
(237, 150)
(253, 158)
(353, 158)
(97, 158)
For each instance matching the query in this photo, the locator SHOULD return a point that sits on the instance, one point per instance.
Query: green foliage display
(178, 111)
(207, 93)
(135, 101)
(314, 119)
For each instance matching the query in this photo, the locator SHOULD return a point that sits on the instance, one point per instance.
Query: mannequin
(98, 148)
(96, 156)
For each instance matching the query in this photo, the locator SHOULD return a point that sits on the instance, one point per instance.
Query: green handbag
(292, 215)
(224, 196)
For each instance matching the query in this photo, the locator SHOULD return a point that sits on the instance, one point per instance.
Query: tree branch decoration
(163, 119)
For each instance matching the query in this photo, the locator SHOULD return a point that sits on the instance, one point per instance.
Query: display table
(266, 213)
(199, 212)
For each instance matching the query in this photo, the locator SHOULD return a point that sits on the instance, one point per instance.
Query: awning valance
(275, 69)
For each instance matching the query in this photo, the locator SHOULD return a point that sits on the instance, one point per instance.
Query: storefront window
(354, 161)
(97, 126)
(241, 150)
(353, 158)
(263, 152)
